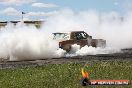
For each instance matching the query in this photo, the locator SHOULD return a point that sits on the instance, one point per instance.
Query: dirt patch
(126, 54)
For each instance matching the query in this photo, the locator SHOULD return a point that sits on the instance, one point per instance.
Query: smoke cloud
(23, 42)
(112, 27)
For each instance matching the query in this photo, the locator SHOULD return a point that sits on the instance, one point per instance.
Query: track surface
(126, 54)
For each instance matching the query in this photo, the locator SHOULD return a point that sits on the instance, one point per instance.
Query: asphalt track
(126, 54)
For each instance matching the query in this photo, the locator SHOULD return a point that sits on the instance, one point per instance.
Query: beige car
(77, 37)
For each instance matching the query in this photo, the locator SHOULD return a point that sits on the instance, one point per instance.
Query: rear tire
(67, 48)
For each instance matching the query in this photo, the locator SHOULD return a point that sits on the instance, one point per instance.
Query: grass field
(66, 75)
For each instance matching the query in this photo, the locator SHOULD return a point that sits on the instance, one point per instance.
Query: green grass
(66, 75)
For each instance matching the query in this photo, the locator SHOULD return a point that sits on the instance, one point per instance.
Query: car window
(61, 36)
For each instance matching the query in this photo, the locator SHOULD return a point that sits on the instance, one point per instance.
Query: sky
(41, 9)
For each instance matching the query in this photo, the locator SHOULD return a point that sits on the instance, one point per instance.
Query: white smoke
(111, 26)
(27, 43)
(89, 50)
(23, 42)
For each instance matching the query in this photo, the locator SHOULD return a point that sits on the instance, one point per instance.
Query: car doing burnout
(66, 40)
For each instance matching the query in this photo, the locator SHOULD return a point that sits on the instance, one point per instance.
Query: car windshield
(81, 35)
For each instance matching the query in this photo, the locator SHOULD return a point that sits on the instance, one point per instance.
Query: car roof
(66, 32)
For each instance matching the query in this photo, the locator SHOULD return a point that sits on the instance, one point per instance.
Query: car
(66, 40)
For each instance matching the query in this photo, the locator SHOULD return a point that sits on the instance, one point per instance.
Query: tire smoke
(22, 42)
